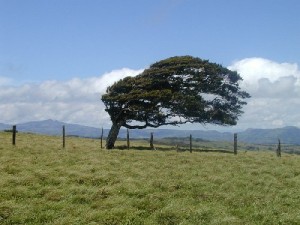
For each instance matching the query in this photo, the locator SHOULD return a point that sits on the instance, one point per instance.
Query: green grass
(42, 183)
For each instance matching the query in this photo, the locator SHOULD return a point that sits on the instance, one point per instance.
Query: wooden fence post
(191, 144)
(101, 137)
(279, 148)
(14, 132)
(128, 141)
(151, 141)
(64, 136)
(235, 144)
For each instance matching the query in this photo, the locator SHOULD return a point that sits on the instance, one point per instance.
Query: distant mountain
(4, 126)
(287, 135)
(54, 127)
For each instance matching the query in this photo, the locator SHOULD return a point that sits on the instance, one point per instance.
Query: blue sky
(60, 39)
(63, 41)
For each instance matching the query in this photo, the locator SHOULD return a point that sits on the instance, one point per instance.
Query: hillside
(42, 183)
(288, 135)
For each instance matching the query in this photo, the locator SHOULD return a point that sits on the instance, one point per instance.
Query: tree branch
(150, 125)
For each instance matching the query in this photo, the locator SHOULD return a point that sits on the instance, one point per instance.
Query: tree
(175, 91)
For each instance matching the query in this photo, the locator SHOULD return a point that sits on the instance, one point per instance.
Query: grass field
(42, 183)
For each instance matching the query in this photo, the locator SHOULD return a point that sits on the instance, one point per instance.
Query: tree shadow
(143, 148)
(160, 148)
(214, 150)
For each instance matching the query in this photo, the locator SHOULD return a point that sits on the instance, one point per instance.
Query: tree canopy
(175, 91)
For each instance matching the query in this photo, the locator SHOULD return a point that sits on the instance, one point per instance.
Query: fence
(151, 141)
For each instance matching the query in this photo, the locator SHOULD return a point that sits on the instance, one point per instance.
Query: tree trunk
(113, 134)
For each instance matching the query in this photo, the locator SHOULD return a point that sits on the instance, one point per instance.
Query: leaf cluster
(175, 91)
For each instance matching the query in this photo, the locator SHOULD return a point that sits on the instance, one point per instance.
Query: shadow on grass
(214, 150)
(160, 148)
(143, 148)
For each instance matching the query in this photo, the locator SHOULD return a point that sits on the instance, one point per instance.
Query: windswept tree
(175, 91)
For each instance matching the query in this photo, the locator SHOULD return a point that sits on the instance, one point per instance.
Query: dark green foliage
(175, 91)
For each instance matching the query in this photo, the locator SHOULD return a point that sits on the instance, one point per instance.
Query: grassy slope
(41, 183)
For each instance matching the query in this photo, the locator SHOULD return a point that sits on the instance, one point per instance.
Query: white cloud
(75, 101)
(254, 69)
(275, 102)
(5, 81)
(275, 90)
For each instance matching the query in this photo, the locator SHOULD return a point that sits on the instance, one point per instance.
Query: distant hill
(54, 127)
(288, 135)
(4, 126)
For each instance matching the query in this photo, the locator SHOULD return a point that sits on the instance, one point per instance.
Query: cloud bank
(74, 101)
(274, 87)
(275, 91)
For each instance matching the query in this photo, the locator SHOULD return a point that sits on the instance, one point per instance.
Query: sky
(57, 57)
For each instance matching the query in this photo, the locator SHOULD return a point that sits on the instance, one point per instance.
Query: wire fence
(188, 144)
